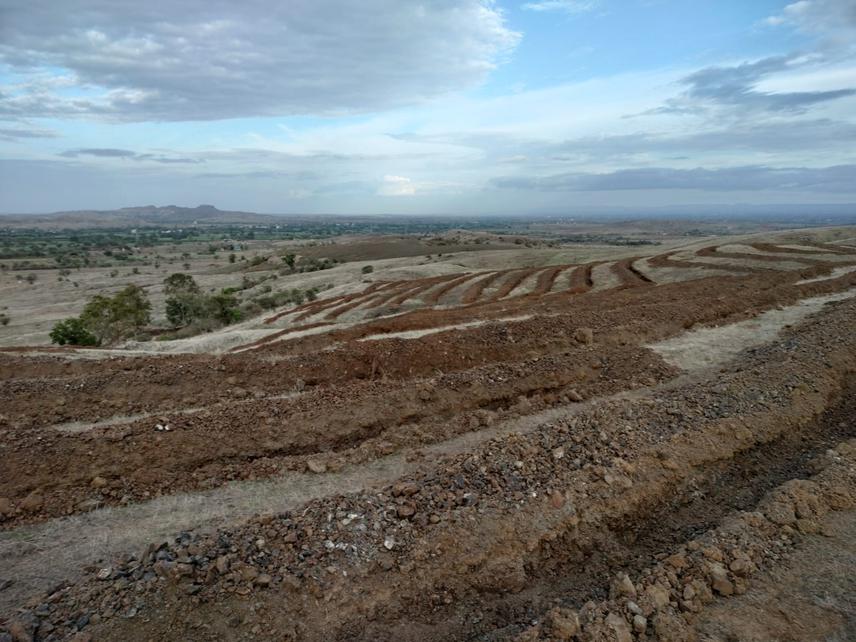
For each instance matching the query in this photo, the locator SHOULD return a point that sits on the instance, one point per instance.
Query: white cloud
(211, 59)
(811, 80)
(567, 6)
(396, 186)
(833, 20)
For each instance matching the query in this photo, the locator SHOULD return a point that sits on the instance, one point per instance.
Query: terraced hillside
(518, 288)
(628, 448)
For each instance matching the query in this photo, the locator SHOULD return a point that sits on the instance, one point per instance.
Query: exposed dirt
(485, 455)
(810, 597)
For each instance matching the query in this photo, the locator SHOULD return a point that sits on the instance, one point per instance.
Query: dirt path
(710, 347)
(834, 274)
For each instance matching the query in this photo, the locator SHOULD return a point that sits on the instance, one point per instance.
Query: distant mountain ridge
(141, 216)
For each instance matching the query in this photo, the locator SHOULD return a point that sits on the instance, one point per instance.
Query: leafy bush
(180, 283)
(72, 332)
(106, 319)
(186, 304)
(224, 308)
(185, 301)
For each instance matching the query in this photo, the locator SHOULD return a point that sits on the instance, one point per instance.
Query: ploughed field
(616, 450)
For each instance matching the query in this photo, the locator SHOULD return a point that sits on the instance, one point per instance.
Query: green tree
(72, 332)
(131, 310)
(185, 301)
(224, 308)
(97, 317)
(180, 283)
(112, 318)
(181, 311)
(289, 259)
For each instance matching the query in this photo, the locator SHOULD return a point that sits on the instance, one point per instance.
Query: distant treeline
(605, 239)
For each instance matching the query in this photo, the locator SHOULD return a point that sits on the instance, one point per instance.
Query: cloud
(259, 174)
(210, 59)
(841, 178)
(127, 154)
(779, 140)
(833, 20)
(14, 134)
(770, 137)
(566, 6)
(396, 186)
(735, 87)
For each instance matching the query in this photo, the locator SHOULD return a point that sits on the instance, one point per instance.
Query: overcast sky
(435, 106)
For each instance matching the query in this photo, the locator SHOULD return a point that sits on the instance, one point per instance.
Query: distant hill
(144, 216)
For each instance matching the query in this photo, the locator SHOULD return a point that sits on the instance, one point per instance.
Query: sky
(466, 107)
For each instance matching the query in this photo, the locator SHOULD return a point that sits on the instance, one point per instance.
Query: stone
(98, 482)
(405, 488)
(640, 623)
(565, 623)
(575, 396)
(104, 573)
(405, 511)
(618, 624)
(222, 565)
(82, 636)
(317, 467)
(5, 507)
(678, 561)
(557, 500)
(712, 553)
(741, 567)
(719, 580)
(780, 513)
(32, 503)
(263, 580)
(88, 505)
(624, 586)
(658, 595)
